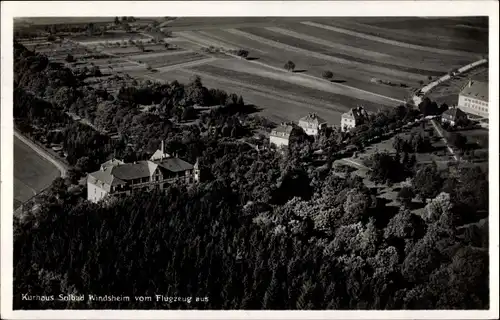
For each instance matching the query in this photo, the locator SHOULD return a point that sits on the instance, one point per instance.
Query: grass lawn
(31, 172)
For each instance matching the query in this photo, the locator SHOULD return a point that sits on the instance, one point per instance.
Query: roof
(355, 113)
(476, 89)
(174, 164)
(313, 118)
(131, 171)
(453, 113)
(111, 163)
(158, 155)
(282, 129)
(105, 178)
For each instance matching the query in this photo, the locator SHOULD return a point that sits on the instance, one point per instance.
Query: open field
(32, 173)
(402, 52)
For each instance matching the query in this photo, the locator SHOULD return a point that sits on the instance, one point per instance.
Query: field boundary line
(386, 41)
(269, 94)
(186, 64)
(311, 77)
(43, 153)
(323, 42)
(353, 64)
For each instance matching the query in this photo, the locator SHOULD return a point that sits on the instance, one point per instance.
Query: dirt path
(158, 54)
(186, 64)
(386, 41)
(231, 44)
(353, 64)
(444, 139)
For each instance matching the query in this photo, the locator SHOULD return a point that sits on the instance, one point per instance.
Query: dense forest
(262, 230)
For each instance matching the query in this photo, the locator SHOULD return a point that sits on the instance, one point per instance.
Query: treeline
(263, 230)
(337, 248)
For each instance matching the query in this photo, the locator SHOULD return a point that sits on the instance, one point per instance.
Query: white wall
(95, 193)
(278, 141)
(473, 106)
(346, 124)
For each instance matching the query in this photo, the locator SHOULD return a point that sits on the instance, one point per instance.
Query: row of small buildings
(312, 124)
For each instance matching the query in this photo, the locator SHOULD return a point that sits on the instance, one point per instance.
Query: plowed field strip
(387, 41)
(353, 64)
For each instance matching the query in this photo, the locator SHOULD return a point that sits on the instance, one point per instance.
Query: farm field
(361, 53)
(442, 33)
(32, 173)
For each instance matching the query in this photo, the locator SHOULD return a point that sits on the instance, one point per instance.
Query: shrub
(327, 74)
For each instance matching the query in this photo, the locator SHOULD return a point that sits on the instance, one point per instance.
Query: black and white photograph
(257, 162)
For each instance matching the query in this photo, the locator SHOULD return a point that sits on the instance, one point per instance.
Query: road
(444, 139)
(63, 169)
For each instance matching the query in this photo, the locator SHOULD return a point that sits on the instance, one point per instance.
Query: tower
(196, 170)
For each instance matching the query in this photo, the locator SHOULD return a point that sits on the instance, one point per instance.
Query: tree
(356, 206)
(70, 58)
(458, 141)
(242, 53)
(405, 195)
(117, 21)
(327, 74)
(140, 46)
(427, 182)
(126, 27)
(289, 66)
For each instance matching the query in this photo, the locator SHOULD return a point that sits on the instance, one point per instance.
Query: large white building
(116, 177)
(280, 135)
(473, 98)
(353, 118)
(312, 124)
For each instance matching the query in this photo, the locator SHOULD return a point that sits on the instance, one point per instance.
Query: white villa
(280, 135)
(353, 118)
(118, 177)
(312, 124)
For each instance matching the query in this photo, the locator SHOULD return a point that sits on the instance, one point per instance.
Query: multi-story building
(312, 124)
(353, 118)
(117, 177)
(453, 116)
(280, 135)
(473, 98)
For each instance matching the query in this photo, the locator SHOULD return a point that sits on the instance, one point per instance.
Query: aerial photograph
(251, 163)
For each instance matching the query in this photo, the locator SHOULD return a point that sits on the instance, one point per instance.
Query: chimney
(162, 147)
(470, 83)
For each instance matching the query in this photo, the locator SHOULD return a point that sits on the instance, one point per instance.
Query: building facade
(453, 116)
(312, 124)
(473, 98)
(280, 135)
(116, 177)
(353, 118)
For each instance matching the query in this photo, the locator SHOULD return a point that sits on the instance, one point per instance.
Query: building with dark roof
(473, 98)
(353, 118)
(312, 124)
(117, 177)
(453, 115)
